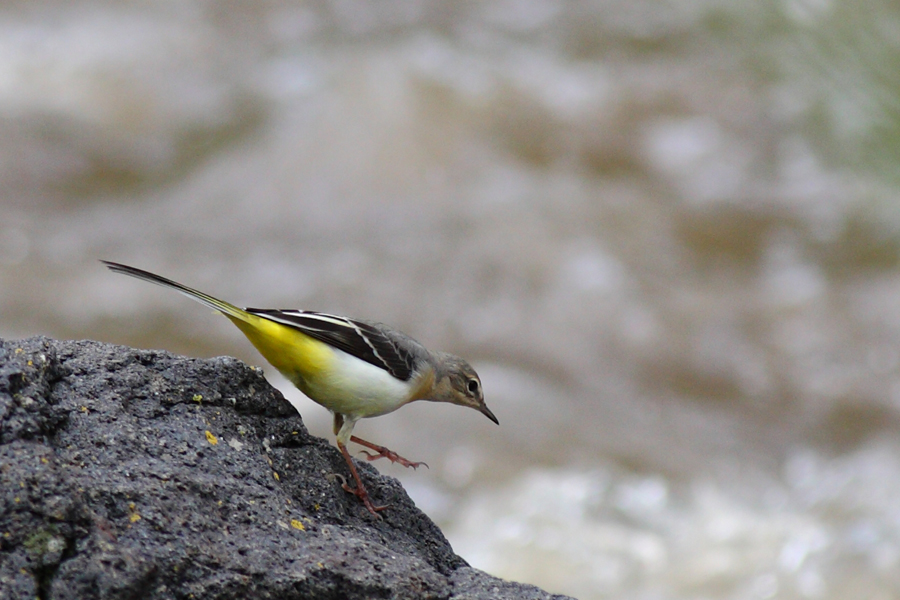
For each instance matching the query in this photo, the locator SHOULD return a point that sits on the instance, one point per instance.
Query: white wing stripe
(335, 320)
(371, 345)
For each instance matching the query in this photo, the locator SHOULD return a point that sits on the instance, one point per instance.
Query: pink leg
(360, 489)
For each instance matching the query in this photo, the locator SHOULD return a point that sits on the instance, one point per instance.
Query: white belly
(356, 389)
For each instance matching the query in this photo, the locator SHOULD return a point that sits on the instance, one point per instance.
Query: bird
(355, 368)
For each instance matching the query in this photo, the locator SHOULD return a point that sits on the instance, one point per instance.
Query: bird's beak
(487, 412)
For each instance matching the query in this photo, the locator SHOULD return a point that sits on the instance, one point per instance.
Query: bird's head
(457, 382)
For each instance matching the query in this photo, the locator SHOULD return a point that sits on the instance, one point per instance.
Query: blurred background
(666, 234)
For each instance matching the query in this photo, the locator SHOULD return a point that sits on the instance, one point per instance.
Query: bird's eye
(473, 387)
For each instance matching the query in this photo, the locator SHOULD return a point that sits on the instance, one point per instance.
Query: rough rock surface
(139, 474)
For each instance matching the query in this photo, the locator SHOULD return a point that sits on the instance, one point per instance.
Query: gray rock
(139, 474)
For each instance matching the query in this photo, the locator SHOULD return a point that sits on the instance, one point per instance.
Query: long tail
(226, 308)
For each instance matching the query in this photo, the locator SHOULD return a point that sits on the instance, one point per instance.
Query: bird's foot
(392, 456)
(382, 452)
(360, 492)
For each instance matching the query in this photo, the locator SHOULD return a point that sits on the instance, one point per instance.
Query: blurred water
(666, 234)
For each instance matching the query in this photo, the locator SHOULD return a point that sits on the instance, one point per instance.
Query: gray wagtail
(354, 368)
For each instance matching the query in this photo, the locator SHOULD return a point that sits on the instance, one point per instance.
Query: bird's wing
(370, 342)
